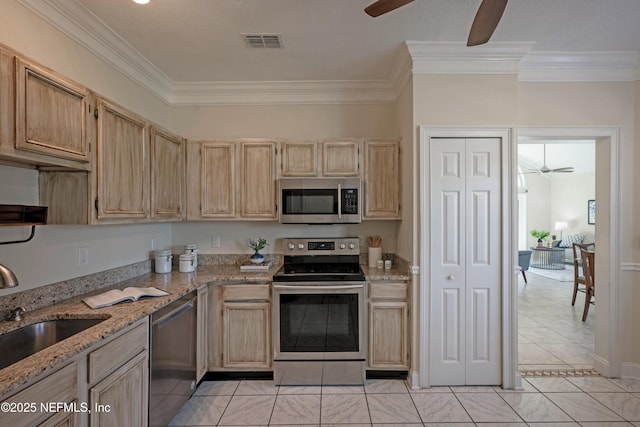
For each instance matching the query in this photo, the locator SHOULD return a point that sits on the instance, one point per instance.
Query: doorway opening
(556, 181)
(592, 350)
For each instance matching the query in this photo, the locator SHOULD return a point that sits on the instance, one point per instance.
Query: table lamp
(561, 225)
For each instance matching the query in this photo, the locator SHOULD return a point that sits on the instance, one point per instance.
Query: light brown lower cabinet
(388, 326)
(111, 379)
(240, 327)
(121, 399)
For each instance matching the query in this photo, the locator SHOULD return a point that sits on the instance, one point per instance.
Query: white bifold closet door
(465, 271)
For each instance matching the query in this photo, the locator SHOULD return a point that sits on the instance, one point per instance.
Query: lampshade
(561, 225)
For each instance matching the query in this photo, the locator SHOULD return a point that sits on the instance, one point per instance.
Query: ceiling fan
(545, 169)
(484, 24)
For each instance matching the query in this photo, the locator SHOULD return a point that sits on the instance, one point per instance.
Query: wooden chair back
(588, 268)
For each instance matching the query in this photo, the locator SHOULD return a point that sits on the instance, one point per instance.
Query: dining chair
(578, 279)
(524, 259)
(588, 268)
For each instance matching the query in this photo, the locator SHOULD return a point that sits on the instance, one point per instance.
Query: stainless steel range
(319, 328)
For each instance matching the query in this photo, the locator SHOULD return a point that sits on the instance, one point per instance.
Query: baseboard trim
(630, 370)
(602, 366)
(414, 380)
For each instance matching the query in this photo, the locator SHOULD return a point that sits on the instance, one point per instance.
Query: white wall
(538, 206)
(569, 195)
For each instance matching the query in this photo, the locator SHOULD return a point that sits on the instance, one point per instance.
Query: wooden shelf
(21, 215)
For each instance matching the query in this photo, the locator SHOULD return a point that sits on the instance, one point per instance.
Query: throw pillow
(569, 239)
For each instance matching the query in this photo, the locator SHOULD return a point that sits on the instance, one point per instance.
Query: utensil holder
(374, 255)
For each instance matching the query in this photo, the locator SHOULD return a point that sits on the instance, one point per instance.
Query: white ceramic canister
(163, 261)
(187, 263)
(192, 249)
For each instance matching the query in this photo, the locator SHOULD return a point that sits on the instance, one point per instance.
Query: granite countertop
(119, 316)
(395, 273)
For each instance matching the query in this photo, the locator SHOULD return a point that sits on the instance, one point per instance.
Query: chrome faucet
(7, 278)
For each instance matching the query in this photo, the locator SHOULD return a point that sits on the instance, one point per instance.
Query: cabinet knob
(451, 277)
(301, 246)
(352, 245)
(342, 246)
(291, 246)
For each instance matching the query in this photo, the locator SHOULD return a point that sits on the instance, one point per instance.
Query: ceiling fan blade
(383, 6)
(486, 21)
(565, 170)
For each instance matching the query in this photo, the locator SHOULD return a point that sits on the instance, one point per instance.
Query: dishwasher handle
(161, 322)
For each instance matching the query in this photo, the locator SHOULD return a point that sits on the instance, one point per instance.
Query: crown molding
(457, 58)
(82, 26)
(580, 66)
(282, 93)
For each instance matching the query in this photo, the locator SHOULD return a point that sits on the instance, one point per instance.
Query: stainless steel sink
(28, 340)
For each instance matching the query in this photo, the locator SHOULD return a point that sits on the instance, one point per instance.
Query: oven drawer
(388, 291)
(246, 292)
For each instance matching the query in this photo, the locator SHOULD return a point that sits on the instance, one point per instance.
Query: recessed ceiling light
(141, 1)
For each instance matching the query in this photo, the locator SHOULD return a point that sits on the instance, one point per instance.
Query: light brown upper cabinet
(122, 164)
(341, 157)
(167, 175)
(258, 180)
(51, 113)
(382, 179)
(211, 174)
(299, 158)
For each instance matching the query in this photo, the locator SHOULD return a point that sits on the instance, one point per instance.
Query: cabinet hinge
(276, 151)
(95, 113)
(96, 204)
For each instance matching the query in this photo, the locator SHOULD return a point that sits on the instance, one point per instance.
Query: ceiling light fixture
(141, 1)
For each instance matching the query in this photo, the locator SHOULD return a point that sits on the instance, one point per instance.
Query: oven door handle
(321, 288)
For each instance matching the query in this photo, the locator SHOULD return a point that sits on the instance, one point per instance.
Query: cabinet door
(50, 113)
(123, 164)
(247, 335)
(122, 396)
(202, 344)
(382, 180)
(299, 158)
(388, 335)
(258, 180)
(7, 107)
(341, 158)
(211, 174)
(167, 175)
(63, 419)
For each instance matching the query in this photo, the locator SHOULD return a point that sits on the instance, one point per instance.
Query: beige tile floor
(551, 333)
(550, 402)
(551, 336)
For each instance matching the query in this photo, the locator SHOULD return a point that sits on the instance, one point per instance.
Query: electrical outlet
(83, 255)
(153, 244)
(215, 241)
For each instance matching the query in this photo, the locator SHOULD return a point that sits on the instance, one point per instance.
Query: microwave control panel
(350, 201)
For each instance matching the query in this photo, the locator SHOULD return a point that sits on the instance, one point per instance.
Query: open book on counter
(127, 294)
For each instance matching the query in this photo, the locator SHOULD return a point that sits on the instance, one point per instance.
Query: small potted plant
(540, 235)
(256, 245)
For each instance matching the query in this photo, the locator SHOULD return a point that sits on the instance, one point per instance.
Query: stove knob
(291, 246)
(301, 246)
(352, 245)
(342, 246)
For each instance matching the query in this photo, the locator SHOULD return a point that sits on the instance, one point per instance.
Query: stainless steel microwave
(320, 200)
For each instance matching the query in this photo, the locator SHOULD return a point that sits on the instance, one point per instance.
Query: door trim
(510, 373)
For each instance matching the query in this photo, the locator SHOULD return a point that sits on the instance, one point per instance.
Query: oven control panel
(322, 246)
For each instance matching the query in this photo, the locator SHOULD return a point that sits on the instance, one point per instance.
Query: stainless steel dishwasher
(173, 359)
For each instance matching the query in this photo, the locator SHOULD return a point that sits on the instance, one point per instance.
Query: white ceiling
(181, 45)
(579, 154)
